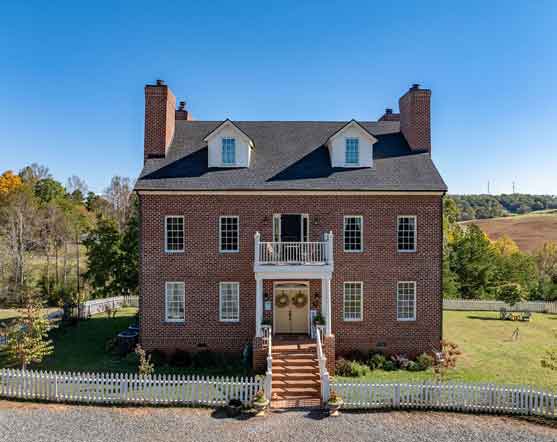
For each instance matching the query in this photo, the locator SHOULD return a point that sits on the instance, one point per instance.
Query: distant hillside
(492, 206)
(530, 231)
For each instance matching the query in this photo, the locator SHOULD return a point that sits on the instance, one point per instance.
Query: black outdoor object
(126, 341)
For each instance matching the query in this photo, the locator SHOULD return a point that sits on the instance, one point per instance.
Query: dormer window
(228, 151)
(352, 151)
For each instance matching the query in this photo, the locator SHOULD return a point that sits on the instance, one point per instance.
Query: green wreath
(300, 300)
(282, 300)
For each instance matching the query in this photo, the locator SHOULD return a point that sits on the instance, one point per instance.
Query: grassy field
(529, 231)
(11, 313)
(488, 352)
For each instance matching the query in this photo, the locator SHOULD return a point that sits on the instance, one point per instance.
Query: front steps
(296, 381)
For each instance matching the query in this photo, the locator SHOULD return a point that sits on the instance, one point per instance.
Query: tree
(129, 258)
(48, 189)
(546, 263)
(33, 173)
(76, 188)
(9, 182)
(28, 336)
(511, 293)
(472, 259)
(118, 194)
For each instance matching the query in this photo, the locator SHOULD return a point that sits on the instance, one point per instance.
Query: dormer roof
(229, 123)
(353, 123)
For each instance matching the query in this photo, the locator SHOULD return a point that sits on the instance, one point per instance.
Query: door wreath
(300, 300)
(281, 300)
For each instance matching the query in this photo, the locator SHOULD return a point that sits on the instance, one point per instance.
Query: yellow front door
(291, 310)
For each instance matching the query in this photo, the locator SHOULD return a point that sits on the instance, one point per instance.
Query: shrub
(414, 366)
(356, 355)
(351, 369)
(425, 361)
(376, 361)
(389, 365)
(110, 345)
(145, 366)
(132, 359)
(204, 359)
(158, 358)
(181, 358)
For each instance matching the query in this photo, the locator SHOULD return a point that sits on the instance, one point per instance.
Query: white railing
(307, 252)
(116, 388)
(495, 306)
(323, 373)
(485, 398)
(268, 336)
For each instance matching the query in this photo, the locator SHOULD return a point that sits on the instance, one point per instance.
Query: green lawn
(11, 313)
(82, 348)
(488, 352)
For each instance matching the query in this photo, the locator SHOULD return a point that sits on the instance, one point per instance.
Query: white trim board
(290, 192)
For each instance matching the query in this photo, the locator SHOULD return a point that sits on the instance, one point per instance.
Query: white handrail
(268, 336)
(323, 373)
(292, 252)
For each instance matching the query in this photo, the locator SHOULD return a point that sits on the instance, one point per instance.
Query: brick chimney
(182, 113)
(160, 108)
(389, 116)
(415, 118)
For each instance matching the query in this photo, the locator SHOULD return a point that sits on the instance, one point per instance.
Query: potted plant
(260, 403)
(234, 408)
(334, 403)
(319, 319)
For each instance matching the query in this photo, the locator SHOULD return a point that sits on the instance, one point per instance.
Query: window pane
(229, 233)
(352, 301)
(353, 233)
(228, 150)
(407, 233)
(406, 301)
(175, 233)
(352, 151)
(175, 300)
(229, 301)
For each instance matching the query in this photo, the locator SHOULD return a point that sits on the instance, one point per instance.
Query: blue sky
(72, 76)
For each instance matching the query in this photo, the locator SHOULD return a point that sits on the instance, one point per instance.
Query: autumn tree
(9, 182)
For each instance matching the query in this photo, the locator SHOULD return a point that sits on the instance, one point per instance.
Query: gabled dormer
(351, 146)
(229, 146)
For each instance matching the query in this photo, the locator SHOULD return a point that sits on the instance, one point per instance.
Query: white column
(326, 304)
(258, 305)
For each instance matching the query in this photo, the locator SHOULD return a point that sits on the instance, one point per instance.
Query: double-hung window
(406, 301)
(406, 233)
(353, 301)
(229, 301)
(175, 300)
(174, 234)
(229, 230)
(352, 152)
(229, 151)
(353, 233)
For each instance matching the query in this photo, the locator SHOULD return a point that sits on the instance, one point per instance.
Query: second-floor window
(406, 233)
(352, 153)
(229, 234)
(353, 233)
(228, 151)
(174, 234)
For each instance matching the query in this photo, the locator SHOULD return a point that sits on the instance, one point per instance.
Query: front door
(291, 304)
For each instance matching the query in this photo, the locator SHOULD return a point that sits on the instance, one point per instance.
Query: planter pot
(260, 407)
(234, 409)
(334, 407)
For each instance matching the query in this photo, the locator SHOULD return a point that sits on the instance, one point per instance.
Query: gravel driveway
(23, 422)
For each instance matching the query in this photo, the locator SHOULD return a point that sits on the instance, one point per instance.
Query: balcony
(294, 256)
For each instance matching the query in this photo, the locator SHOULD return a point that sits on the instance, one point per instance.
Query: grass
(530, 231)
(11, 313)
(82, 348)
(488, 352)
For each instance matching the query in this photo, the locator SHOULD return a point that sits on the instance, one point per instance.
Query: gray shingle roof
(290, 155)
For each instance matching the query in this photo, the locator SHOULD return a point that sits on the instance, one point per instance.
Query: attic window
(352, 152)
(228, 151)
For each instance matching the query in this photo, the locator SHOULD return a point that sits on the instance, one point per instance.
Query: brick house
(252, 223)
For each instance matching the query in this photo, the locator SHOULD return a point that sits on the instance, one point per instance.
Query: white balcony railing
(293, 253)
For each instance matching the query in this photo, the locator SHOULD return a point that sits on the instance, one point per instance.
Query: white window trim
(166, 234)
(220, 234)
(235, 162)
(415, 233)
(361, 249)
(166, 318)
(344, 301)
(220, 301)
(356, 164)
(415, 297)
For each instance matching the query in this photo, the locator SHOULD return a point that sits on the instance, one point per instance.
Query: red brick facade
(201, 267)
(160, 108)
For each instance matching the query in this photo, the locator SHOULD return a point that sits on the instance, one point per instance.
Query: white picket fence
(495, 306)
(95, 306)
(116, 388)
(484, 398)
